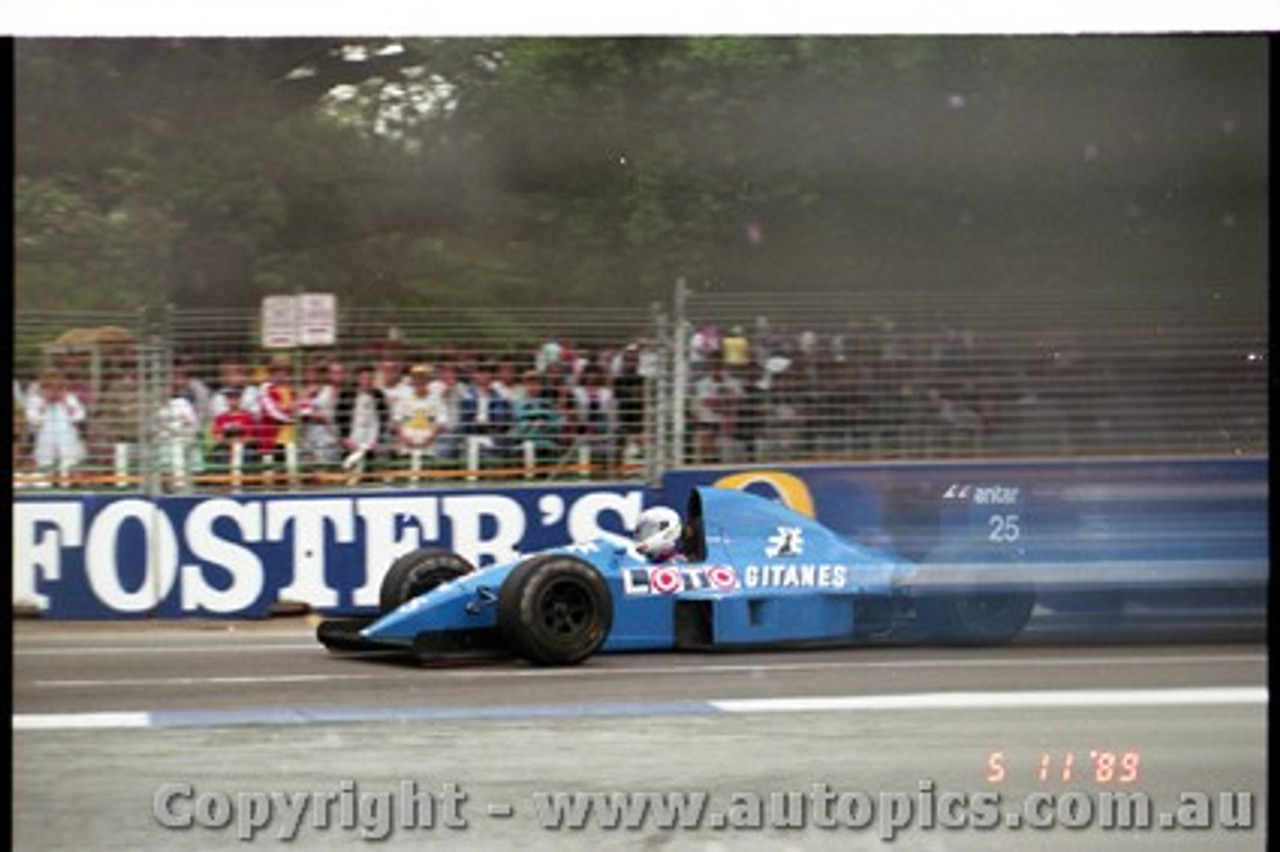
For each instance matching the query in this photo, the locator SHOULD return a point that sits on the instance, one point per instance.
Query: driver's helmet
(658, 532)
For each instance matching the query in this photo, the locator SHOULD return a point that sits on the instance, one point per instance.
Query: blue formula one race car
(751, 573)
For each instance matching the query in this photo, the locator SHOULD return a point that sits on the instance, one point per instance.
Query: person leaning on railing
(177, 430)
(595, 414)
(448, 392)
(535, 418)
(628, 392)
(56, 415)
(231, 426)
(277, 431)
(318, 441)
(485, 415)
(420, 416)
(714, 410)
(362, 416)
(233, 377)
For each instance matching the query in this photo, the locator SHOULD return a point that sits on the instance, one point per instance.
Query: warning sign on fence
(305, 319)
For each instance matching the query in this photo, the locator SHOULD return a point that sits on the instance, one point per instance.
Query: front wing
(343, 635)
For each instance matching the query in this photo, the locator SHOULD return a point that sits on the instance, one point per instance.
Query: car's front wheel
(417, 573)
(555, 610)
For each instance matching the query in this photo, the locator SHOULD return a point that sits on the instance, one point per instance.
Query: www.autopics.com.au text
(375, 814)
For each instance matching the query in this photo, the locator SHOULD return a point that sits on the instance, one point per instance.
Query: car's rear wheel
(555, 610)
(973, 595)
(417, 573)
(978, 616)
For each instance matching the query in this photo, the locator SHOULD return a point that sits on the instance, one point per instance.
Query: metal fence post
(153, 390)
(655, 401)
(151, 382)
(679, 371)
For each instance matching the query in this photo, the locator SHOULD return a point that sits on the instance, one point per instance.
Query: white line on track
(65, 721)
(508, 673)
(949, 662)
(216, 681)
(1051, 699)
(1194, 697)
(117, 650)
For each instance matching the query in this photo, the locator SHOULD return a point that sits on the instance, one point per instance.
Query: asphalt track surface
(120, 728)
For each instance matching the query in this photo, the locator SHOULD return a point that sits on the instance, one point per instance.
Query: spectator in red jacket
(233, 424)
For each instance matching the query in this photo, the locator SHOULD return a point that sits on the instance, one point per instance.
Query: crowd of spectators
(755, 392)
(382, 411)
(862, 389)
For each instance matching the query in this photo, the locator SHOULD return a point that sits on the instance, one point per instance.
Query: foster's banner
(111, 557)
(1185, 523)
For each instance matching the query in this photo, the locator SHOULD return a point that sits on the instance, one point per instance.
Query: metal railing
(874, 376)
(143, 402)
(148, 403)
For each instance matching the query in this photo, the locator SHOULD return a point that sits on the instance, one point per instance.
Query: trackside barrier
(1105, 532)
(182, 474)
(103, 556)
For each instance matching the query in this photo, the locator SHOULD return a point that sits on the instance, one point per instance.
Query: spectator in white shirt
(419, 415)
(56, 416)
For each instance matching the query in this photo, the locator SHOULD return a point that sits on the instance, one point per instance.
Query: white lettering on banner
(552, 508)
(795, 576)
(465, 513)
(214, 562)
(984, 495)
(308, 518)
(40, 531)
(584, 516)
(382, 545)
(160, 555)
(244, 566)
(997, 495)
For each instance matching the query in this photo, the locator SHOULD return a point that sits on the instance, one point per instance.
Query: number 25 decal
(1004, 529)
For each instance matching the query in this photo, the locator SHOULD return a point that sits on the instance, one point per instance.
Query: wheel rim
(990, 606)
(567, 608)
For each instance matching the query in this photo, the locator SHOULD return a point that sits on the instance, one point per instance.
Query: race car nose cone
(452, 606)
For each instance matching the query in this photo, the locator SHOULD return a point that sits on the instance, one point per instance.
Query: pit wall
(239, 556)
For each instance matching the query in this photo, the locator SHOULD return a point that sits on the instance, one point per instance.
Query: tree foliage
(209, 172)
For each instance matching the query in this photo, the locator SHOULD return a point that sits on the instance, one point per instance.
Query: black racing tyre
(1097, 604)
(974, 593)
(417, 573)
(984, 616)
(555, 610)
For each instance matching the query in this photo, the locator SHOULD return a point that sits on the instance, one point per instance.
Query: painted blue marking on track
(332, 715)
